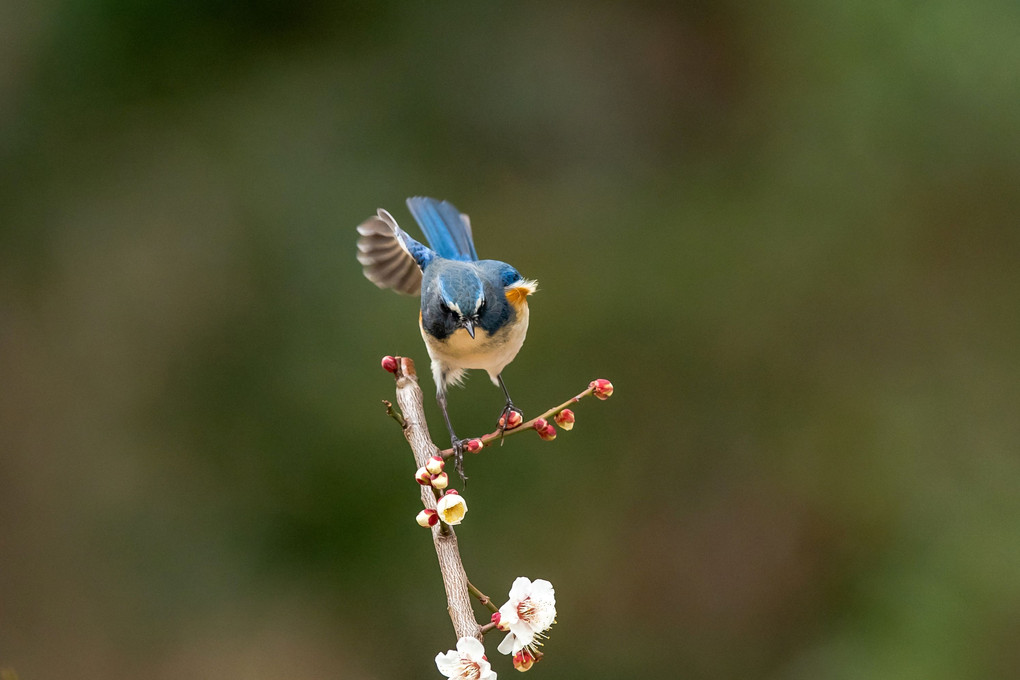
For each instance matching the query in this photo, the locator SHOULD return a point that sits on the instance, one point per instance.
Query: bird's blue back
(445, 228)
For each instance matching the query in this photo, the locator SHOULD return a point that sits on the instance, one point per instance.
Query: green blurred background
(786, 231)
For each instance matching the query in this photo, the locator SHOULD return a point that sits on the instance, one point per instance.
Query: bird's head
(455, 299)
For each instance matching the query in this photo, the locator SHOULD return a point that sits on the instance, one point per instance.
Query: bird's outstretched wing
(389, 257)
(447, 230)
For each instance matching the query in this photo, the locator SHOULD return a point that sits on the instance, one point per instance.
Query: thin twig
(526, 426)
(393, 414)
(482, 597)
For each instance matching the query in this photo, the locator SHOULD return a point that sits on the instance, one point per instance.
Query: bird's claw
(504, 419)
(458, 456)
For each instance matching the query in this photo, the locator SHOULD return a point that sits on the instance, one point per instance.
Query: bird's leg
(457, 444)
(504, 418)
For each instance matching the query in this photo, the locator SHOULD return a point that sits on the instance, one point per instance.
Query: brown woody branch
(415, 428)
(410, 401)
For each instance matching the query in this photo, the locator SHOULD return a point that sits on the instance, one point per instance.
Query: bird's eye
(443, 307)
(481, 308)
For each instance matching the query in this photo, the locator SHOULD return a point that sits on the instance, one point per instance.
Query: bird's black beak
(469, 326)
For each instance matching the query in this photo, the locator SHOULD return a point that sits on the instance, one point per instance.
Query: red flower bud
(565, 419)
(427, 517)
(515, 420)
(601, 388)
(423, 476)
(389, 364)
(525, 659)
(441, 480)
(434, 465)
(540, 424)
(548, 433)
(474, 446)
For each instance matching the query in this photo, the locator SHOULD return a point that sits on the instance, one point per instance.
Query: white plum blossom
(529, 612)
(451, 507)
(467, 662)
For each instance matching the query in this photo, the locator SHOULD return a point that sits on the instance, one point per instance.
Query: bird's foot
(458, 456)
(510, 418)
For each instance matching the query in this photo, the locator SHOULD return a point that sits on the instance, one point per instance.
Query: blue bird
(474, 313)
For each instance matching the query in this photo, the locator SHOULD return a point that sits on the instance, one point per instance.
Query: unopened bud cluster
(431, 474)
(451, 507)
(547, 430)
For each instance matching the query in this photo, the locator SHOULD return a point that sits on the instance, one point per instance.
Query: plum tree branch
(443, 509)
(415, 427)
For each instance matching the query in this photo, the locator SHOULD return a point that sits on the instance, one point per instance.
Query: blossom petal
(508, 645)
(521, 588)
(472, 647)
(485, 671)
(524, 633)
(508, 613)
(468, 661)
(449, 663)
(542, 588)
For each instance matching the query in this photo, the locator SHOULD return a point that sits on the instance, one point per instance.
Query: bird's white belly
(489, 352)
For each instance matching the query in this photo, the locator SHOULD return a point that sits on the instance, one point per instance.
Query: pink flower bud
(440, 481)
(474, 446)
(540, 424)
(389, 364)
(434, 465)
(565, 419)
(427, 517)
(453, 492)
(500, 625)
(515, 420)
(423, 477)
(602, 388)
(549, 433)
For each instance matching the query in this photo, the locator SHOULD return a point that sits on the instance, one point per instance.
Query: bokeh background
(786, 231)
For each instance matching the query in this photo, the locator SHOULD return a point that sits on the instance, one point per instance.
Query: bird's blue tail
(448, 232)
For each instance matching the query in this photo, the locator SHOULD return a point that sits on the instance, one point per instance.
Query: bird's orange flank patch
(517, 293)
